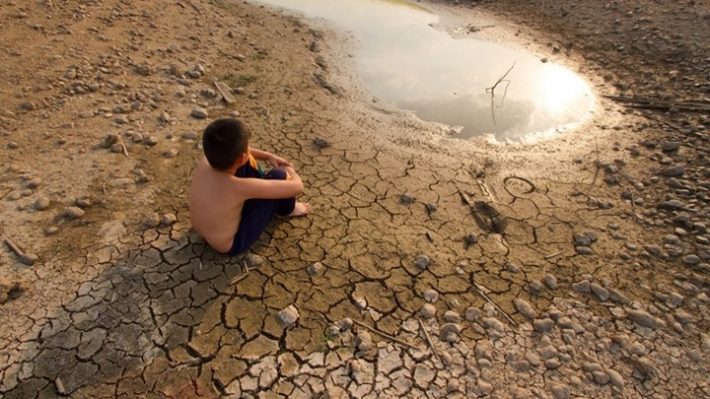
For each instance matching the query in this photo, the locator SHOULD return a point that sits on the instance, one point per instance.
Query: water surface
(405, 61)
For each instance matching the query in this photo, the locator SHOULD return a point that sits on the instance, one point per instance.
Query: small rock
(359, 302)
(582, 287)
(321, 142)
(521, 393)
(288, 316)
(28, 259)
(51, 230)
(171, 153)
(59, 385)
(190, 136)
(430, 295)
(452, 317)
(422, 262)
(151, 141)
(601, 292)
(550, 281)
(9, 289)
(199, 113)
(543, 325)
(615, 378)
(525, 308)
(363, 341)
(642, 318)
(582, 250)
(427, 311)
(670, 146)
(73, 212)
(674, 171)
(41, 203)
(691, 260)
(314, 268)
(406, 199)
(470, 239)
(168, 219)
(560, 391)
(484, 387)
(671, 205)
(345, 324)
(600, 377)
(472, 314)
(152, 221)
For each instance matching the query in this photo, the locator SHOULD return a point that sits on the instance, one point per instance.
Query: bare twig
(19, 252)
(492, 90)
(384, 334)
(554, 254)
(480, 292)
(428, 340)
(123, 146)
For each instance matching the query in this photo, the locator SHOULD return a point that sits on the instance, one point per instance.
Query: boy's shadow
(142, 306)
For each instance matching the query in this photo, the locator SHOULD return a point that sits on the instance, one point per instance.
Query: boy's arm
(272, 189)
(269, 157)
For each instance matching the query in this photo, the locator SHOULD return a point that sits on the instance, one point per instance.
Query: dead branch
(384, 334)
(428, 340)
(479, 290)
(492, 90)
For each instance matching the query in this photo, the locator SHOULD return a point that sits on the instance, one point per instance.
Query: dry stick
(492, 90)
(480, 292)
(384, 334)
(123, 146)
(14, 247)
(428, 340)
(552, 255)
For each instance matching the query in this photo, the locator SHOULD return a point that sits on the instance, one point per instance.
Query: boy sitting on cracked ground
(231, 199)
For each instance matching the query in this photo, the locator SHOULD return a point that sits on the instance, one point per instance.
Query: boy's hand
(277, 161)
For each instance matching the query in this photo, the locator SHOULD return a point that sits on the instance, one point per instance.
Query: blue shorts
(257, 213)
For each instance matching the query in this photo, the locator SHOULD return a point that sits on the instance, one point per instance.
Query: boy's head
(225, 141)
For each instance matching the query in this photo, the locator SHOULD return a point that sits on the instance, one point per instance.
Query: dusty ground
(602, 267)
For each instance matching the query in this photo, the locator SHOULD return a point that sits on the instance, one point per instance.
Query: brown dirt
(118, 307)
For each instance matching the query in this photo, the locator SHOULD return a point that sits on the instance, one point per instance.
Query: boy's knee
(276, 174)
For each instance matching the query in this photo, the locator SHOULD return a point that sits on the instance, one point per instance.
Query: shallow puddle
(405, 61)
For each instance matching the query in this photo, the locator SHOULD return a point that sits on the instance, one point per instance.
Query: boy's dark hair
(224, 140)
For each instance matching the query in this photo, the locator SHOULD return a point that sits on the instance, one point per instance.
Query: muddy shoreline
(592, 264)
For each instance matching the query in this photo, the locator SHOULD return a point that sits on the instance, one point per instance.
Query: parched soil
(431, 266)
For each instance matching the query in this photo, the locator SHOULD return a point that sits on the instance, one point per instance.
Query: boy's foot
(301, 209)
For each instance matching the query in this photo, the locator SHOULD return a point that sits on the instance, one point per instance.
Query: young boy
(231, 200)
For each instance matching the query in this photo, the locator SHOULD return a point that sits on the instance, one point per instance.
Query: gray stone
(560, 391)
(152, 221)
(168, 219)
(452, 317)
(288, 316)
(199, 113)
(472, 314)
(525, 308)
(550, 281)
(345, 324)
(543, 325)
(691, 260)
(600, 377)
(671, 205)
(321, 143)
(616, 379)
(73, 212)
(601, 292)
(674, 171)
(314, 268)
(190, 135)
(363, 341)
(430, 295)
(582, 287)
(428, 311)
(642, 318)
(406, 199)
(422, 262)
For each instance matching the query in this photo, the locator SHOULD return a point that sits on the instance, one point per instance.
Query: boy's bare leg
(300, 209)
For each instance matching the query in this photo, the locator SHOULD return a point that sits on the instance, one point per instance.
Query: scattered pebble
(73, 212)
(41, 203)
(288, 316)
(422, 262)
(199, 113)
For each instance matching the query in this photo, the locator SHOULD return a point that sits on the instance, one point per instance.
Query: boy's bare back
(215, 205)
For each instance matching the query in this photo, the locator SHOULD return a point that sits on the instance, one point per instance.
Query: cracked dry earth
(550, 286)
